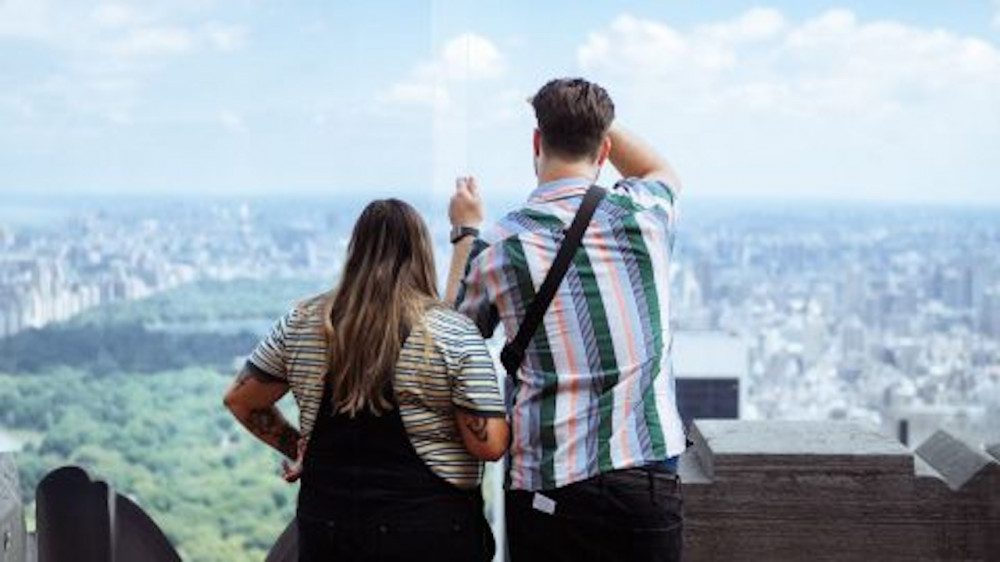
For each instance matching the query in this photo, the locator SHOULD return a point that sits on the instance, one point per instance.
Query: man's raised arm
(634, 158)
(464, 210)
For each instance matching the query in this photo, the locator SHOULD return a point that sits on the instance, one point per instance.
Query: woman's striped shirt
(444, 364)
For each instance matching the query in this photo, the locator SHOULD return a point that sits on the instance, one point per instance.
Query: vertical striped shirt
(596, 390)
(444, 364)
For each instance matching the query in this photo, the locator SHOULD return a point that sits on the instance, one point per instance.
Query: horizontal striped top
(596, 391)
(444, 364)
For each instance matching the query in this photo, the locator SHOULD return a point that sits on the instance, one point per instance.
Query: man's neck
(564, 170)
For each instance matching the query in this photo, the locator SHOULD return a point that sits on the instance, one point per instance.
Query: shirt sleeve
(650, 193)
(474, 385)
(474, 300)
(270, 355)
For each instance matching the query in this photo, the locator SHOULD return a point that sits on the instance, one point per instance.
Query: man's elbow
(667, 176)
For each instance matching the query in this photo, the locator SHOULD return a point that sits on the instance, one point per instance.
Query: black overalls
(366, 495)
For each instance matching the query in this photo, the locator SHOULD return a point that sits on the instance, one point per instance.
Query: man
(596, 433)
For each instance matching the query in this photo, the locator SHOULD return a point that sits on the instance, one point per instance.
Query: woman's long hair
(388, 282)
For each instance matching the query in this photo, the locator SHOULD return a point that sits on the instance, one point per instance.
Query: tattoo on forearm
(269, 425)
(477, 426)
(263, 420)
(288, 442)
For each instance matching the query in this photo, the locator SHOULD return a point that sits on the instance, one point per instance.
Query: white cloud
(128, 30)
(468, 57)
(97, 43)
(464, 59)
(755, 25)
(825, 100)
(656, 48)
(462, 90)
(829, 62)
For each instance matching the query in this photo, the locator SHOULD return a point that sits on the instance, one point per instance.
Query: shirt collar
(560, 189)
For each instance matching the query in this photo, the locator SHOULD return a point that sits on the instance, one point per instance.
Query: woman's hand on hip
(291, 472)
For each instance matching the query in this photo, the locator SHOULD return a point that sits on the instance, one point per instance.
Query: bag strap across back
(513, 352)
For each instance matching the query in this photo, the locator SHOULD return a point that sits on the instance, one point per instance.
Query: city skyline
(816, 100)
(881, 317)
(842, 312)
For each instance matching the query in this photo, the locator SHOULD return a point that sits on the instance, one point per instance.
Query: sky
(868, 100)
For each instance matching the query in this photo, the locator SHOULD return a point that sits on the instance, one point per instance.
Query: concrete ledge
(954, 460)
(834, 491)
(994, 451)
(728, 448)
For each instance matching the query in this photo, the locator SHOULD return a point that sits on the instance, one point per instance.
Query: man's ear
(604, 151)
(537, 143)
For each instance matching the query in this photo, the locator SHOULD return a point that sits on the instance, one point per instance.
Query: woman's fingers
(291, 472)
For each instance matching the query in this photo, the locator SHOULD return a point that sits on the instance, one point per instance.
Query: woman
(398, 399)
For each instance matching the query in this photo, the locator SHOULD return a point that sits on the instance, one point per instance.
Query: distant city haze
(849, 100)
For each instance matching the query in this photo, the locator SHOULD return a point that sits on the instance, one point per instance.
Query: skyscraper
(710, 368)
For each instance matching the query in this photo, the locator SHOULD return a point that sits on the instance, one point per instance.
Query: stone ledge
(994, 451)
(954, 460)
(835, 492)
(727, 448)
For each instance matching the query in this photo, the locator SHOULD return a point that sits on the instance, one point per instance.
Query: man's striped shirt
(444, 364)
(596, 390)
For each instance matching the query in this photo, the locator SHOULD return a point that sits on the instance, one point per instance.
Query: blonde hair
(387, 284)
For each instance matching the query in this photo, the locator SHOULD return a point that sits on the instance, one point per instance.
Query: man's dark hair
(573, 116)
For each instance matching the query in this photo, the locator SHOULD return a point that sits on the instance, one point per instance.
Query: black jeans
(445, 528)
(628, 515)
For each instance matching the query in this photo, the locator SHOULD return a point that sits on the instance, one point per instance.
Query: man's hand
(634, 158)
(466, 207)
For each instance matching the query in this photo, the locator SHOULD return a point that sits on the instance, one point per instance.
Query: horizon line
(59, 199)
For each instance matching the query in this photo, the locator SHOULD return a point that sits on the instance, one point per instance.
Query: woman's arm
(485, 437)
(252, 398)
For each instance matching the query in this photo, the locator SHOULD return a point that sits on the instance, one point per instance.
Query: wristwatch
(460, 232)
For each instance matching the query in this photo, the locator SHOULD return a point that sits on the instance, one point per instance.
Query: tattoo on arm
(270, 425)
(288, 442)
(263, 420)
(266, 422)
(477, 426)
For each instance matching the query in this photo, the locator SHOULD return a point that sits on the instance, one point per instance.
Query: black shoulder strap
(513, 352)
